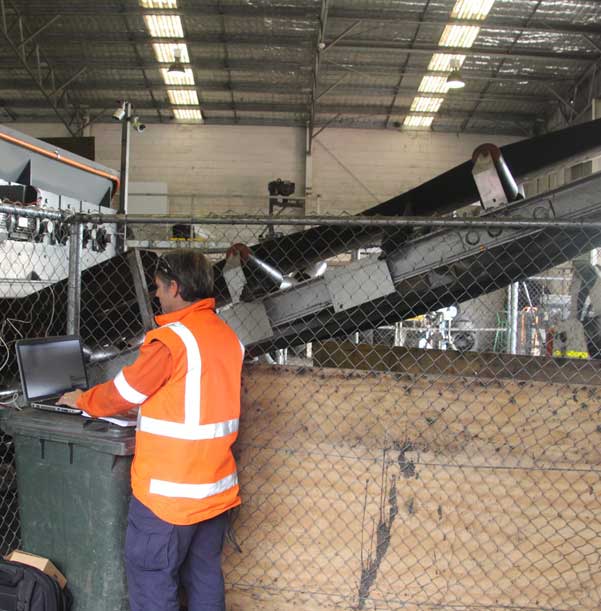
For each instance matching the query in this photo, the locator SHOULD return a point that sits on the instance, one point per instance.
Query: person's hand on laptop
(70, 398)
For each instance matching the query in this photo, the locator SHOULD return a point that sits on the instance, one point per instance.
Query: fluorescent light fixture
(426, 104)
(188, 114)
(164, 26)
(165, 53)
(178, 78)
(445, 62)
(177, 65)
(455, 80)
(433, 84)
(459, 36)
(417, 121)
(472, 9)
(183, 97)
(158, 3)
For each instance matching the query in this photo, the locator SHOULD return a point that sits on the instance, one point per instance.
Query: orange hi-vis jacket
(183, 468)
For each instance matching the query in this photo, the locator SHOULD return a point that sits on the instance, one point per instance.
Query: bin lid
(69, 428)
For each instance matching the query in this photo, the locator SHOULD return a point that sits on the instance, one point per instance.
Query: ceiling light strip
(178, 78)
(417, 121)
(158, 3)
(183, 97)
(459, 36)
(170, 26)
(188, 114)
(454, 35)
(164, 26)
(426, 104)
(446, 62)
(165, 53)
(476, 10)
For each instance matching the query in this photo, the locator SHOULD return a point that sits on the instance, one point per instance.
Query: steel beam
(369, 69)
(226, 57)
(374, 16)
(404, 67)
(360, 68)
(496, 126)
(39, 31)
(500, 66)
(384, 45)
(342, 42)
(340, 36)
(299, 109)
(318, 50)
(18, 37)
(66, 83)
(357, 90)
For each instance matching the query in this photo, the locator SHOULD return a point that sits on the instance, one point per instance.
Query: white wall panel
(228, 167)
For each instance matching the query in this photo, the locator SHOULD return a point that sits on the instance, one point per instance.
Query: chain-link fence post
(74, 283)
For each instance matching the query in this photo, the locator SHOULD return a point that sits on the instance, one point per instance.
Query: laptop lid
(51, 366)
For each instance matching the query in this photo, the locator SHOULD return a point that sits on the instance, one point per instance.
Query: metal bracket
(358, 283)
(234, 277)
(248, 320)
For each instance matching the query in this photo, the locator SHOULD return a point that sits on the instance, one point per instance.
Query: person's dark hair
(191, 270)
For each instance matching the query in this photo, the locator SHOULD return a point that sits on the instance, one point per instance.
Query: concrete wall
(356, 169)
(352, 169)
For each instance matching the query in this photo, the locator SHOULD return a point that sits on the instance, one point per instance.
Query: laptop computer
(50, 367)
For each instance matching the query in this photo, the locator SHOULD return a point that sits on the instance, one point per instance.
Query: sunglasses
(163, 266)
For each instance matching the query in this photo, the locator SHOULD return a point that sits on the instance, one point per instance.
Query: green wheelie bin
(73, 482)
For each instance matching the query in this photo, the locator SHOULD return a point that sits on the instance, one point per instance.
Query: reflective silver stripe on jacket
(191, 432)
(193, 373)
(192, 491)
(129, 393)
(190, 429)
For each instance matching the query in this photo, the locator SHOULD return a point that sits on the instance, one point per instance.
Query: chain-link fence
(421, 418)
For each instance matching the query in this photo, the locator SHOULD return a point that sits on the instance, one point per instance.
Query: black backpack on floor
(25, 588)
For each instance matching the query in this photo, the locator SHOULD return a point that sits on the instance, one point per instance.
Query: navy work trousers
(159, 556)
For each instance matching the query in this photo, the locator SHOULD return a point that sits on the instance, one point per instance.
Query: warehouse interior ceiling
(381, 64)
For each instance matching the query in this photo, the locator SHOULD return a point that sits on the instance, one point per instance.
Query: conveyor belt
(440, 269)
(441, 195)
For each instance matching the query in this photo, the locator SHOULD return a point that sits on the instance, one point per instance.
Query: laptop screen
(51, 366)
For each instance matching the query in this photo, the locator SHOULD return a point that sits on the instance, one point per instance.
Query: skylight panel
(164, 26)
(165, 53)
(158, 3)
(433, 84)
(445, 62)
(459, 36)
(178, 78)
(183, 97)
(417, 121)
(426, 104)
(188, 114)
(472, 9)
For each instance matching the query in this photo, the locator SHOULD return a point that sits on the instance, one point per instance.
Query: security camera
(119, 113)
(137, 124)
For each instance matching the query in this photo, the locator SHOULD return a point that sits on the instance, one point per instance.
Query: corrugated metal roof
(254, 60)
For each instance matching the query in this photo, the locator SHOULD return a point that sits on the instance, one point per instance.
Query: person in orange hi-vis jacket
(186, 382)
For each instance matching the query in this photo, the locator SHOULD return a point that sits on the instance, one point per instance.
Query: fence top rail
(339, 221)
(343, 221)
